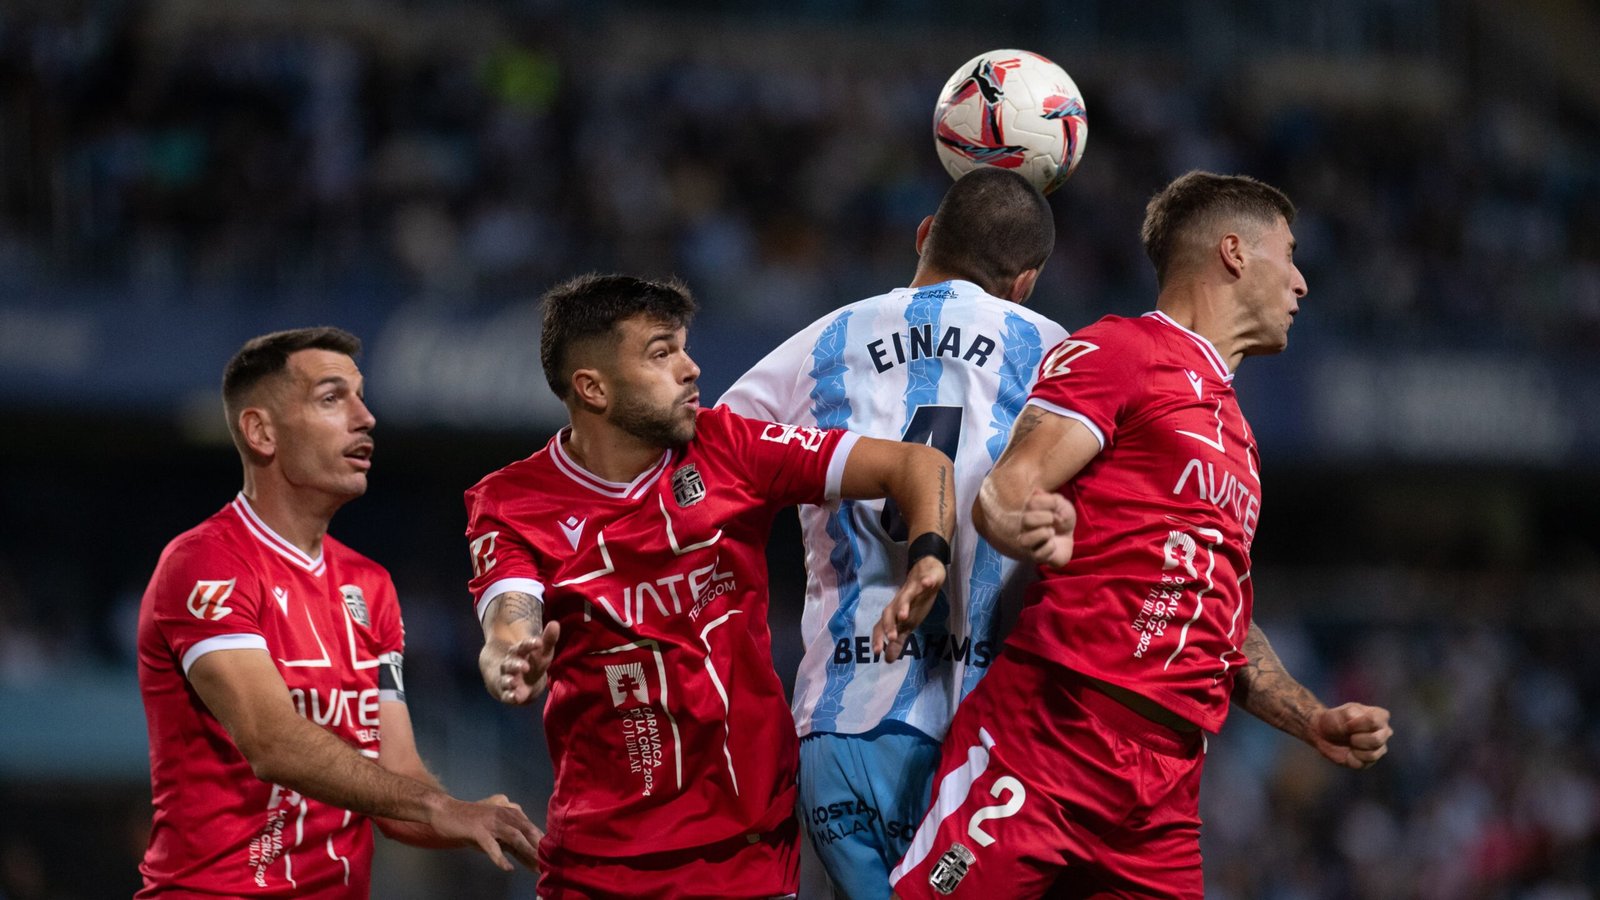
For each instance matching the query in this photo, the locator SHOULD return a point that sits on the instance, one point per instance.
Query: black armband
(929, 544)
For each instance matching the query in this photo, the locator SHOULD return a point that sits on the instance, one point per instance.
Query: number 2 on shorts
(1004, 784)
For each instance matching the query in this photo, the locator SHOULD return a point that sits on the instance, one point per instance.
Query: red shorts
(764, 865)
(1049, 787)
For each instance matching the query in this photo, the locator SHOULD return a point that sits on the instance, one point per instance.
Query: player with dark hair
(624, 566)
(1132, 480)
(947, 361)
(270, 662)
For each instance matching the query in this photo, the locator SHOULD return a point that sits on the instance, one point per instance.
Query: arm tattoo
(1026, 422)
(944, 505)
(516, 606)
(1266, 689)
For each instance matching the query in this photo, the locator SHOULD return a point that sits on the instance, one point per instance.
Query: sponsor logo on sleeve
(483, 554)
(951, 868)
(206, 600)
(1059, 361)
(687, 486)
(807, 437)
(356, 603)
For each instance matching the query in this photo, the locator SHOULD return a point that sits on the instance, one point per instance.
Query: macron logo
(282, 596)
(1195, 382)
(573, 529)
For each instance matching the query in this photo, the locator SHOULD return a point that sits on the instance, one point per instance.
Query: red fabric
(217, 829)
(1156, 597)
(766, 865)
(666, 724)
(1075, 794)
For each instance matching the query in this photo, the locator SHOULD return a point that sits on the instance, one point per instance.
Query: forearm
(997, 516)
(303, 757)
(511, 617)
(925, 509)
(1267, 691)
(417, 834)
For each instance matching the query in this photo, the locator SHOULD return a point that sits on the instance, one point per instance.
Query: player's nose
(691, 371)
(1300, 286)
(362, 419)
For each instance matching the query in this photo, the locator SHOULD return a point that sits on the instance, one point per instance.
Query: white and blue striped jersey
(947, 365)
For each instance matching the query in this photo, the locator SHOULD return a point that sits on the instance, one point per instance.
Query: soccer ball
(1015, 110)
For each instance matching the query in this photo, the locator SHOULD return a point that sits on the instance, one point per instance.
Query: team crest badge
(687, 488)
(951, 868)
(356, 603)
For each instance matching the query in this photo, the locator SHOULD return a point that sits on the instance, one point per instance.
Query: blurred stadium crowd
(298, 156)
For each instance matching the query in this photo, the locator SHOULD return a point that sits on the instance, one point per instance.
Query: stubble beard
(659, 427)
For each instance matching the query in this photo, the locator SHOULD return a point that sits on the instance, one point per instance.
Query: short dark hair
(991, 226)
(267, 355)
(1197, 203)
(590, 306)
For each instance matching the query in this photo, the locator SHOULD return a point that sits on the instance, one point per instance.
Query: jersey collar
(1209, 349)
(614, 489)
(274, 541)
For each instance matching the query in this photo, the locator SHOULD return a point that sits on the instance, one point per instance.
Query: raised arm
(1018, 510)
(516, 650)
(1353, 735)
(245, 692)
(921, 481)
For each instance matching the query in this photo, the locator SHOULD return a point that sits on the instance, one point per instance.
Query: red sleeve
(501, 560)
(1094, 376)
(205, 598)
(786, 464)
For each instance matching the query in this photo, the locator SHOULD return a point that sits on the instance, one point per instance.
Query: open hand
(520, 676)
(490, 825)
(908, 608)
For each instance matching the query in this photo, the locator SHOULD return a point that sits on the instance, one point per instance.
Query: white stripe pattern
(1218, 364)
(953, 791)
(614, 489)
(274, 541)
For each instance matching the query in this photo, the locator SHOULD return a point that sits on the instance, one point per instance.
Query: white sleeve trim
(841, 453)
(505, 586)
(222, 642)
(392, 697)
(1047, 406)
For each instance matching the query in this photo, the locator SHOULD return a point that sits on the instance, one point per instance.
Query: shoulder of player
(532, 468)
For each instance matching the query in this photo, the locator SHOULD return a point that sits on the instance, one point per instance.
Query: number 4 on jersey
(938, 427)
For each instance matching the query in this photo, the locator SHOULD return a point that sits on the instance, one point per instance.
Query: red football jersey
(666, 723)
(1157, 595)
(332, 625)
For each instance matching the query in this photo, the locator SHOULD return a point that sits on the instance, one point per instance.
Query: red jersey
(331, 624)
(1157, 595)
(666, 723)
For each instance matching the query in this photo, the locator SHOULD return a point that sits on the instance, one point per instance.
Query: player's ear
(922, 232)
(258, 432)
(589, 390)
(1022, 286)
(1231, 251)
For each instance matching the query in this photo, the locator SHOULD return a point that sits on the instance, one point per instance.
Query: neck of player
(1211, 313)
(609, 452)
(298, 515)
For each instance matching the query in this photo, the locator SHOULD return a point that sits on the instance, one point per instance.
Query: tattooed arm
(921, 481)
(1018, 510)
(1353, 735)
(516, 652)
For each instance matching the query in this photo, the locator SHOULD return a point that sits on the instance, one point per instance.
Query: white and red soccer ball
(1015, 110)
